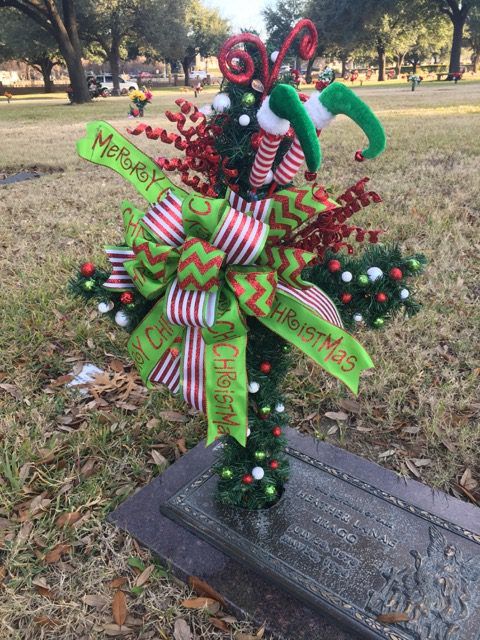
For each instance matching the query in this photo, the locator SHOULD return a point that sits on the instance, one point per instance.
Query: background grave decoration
(139, 100)
(217, 283)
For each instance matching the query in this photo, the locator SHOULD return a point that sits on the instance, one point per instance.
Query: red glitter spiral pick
(237, 65)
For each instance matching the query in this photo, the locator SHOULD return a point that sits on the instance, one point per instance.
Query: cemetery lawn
(417, 413)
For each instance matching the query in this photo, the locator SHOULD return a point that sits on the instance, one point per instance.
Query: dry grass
(427, 369)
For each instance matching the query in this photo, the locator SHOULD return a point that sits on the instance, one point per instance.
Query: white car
(106, 83)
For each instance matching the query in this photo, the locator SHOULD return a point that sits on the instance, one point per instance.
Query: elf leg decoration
(282, 107)
(322, 108)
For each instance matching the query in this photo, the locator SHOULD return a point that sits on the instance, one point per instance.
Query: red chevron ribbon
(119, 278)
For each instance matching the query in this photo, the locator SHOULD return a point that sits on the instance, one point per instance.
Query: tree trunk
(400, 61)
(456, 52)
(46, 67)
(344, 60)
(114, 60)
(308, 74)
(77, 76)
(69, 42)
(382, 61)
(186, 69)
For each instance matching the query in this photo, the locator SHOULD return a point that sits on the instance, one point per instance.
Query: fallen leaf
(181, 630)
(467, 481)
(204, 589)
(351, 406)
(261, 632)
(364, 429)
(411, 430)
(119, 607)
(116, 365)
(144, 577)
(182, 447)
(116, 630)
(219, 624)
(57, 552)
(422, 462)
(96, 601)
(116, 583)
(67, 519)
(207, 604)
(24, 533)
(394, 616)
(332, 430)
(12, 390)
(158, 459)
(45, 591)
(387, 454)
(336, 415)
(173, 416)
(46, 621)
(87, 468)
(6, 524)
(412, 468)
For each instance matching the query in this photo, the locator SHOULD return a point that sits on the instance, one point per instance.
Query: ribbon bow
(209, 262)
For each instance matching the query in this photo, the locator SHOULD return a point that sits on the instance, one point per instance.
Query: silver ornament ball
(357, 317)
(258, 473)
(404, 293)
(347, 276)
(244, 120)
(374, 273)
(253, 387)
(122, 319)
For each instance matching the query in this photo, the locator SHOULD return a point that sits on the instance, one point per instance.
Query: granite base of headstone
(350, 551)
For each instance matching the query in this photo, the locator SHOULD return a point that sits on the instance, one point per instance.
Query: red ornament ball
(346, 298)
(247, 479)
(310, 176)
(396, 273)
(334, 266)
(274, 464)
(265, 367)
(381, 297)
(255, 140)
(127, 297)
(277, 432)
(87, 269)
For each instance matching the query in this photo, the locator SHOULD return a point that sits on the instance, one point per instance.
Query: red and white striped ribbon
(193, 369)
(290, 164)
(241, 237)
(316, 300)
(119, 278)
(164, 220)
(264, 159)
(167, 371)
(190, 308)
(258, 208)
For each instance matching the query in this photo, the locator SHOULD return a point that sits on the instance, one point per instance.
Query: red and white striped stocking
(264, 159)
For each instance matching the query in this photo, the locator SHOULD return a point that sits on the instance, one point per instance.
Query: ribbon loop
(241, 237)
(255, 288)
(199, 266)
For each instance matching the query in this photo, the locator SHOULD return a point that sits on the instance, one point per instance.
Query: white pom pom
(221, 102)
(269, 177)
(105, 307)
(374, 273)
(404, 293)
(357, 317)
(121, 319)
(274, 56)
(258, 473)
(207, 110)
(279, 407)
(253, 387)
(347, 276)
(244, 120)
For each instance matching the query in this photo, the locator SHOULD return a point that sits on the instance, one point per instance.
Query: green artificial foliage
(285, 103)
(263, 446)
(338, 98)
(363, 290)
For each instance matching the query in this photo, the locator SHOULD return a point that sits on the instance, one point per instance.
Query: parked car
(106, 84)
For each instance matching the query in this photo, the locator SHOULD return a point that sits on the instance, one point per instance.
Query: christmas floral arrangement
(415, 80)
(139, 99)
(218, 279)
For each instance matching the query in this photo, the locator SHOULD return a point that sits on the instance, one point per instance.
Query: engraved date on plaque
(346, 547)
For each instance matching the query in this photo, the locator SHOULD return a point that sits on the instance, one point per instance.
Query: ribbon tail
(226, 389)
(315, 331)
(193, 369)
(103, 145)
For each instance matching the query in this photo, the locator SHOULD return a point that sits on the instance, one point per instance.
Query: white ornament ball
(105, 307)
(258, 473)
(207, 110)
(122, 319)
(279, 407)
(347, 276)
(404, 293)
(253, 387)
(374, 273)
(244, 120)
(269, 177)
(221, 102)
(357, 317)
(274, 56)
(248, 432)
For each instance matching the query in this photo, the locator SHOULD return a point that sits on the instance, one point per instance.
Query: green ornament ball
(270, 491)
(378, 322)
(226, 473)
(132, 305)
(363, 280)
(248, 99)
(286, 348)
(260, 455)
(265, 410)
(89, 285)
(414, 264)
